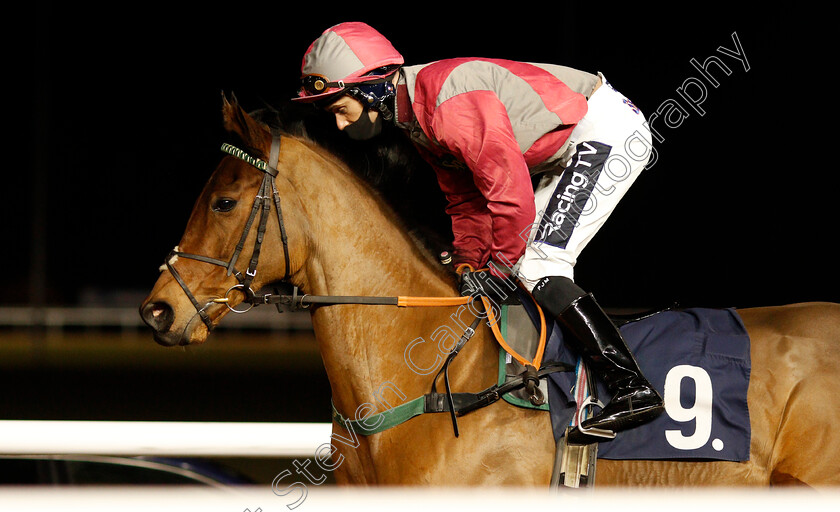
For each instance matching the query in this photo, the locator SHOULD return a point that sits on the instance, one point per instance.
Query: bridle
(262, 204)
(453, 403)
(266, 194)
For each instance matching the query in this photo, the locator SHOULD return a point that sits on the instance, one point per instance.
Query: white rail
(32, 437)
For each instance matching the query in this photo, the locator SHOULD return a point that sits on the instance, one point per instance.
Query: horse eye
(223, 204)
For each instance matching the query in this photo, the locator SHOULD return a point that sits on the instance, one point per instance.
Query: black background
(116, 122)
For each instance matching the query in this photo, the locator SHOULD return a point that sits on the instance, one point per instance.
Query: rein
(304, 301)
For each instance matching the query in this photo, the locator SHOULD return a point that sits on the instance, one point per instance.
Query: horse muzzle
(160, 317)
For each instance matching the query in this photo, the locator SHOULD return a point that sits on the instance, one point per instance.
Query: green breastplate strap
(464, 403)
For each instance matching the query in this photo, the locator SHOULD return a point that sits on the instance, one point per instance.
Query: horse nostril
(158, 315)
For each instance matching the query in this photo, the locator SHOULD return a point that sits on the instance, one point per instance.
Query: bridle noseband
(262, 203)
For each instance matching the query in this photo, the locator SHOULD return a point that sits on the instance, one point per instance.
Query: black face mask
(364, 128)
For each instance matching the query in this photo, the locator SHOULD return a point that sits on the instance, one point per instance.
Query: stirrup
(593, 432)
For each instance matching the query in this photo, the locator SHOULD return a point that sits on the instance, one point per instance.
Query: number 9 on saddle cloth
(698, 359)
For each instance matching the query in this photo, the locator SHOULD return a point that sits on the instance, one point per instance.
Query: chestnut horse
(340, 238)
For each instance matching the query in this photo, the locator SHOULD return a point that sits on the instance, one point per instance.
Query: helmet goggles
(311, 85)
(315, 85)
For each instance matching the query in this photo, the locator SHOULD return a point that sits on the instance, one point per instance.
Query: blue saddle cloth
(699, 360)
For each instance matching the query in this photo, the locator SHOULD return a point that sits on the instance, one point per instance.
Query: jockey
(487, 126)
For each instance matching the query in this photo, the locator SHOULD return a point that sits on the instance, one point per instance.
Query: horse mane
(389, 163)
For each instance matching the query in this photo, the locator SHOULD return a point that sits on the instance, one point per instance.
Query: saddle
(523, 330)
(574, 464)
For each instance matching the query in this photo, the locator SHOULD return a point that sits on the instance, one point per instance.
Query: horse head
(237, 217)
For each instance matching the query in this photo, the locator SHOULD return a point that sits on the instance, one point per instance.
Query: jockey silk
(486, 125)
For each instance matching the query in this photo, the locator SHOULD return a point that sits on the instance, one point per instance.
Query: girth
(456, 404)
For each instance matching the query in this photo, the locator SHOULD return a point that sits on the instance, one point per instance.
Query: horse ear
(237, 121)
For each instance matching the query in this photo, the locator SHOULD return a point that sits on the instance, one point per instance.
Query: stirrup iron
(594, 431)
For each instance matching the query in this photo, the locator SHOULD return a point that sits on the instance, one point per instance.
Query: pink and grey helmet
(349, 57)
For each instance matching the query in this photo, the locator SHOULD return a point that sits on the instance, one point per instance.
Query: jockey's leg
(612, 146)
(594, 336)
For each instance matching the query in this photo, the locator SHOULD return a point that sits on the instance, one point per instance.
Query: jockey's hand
(484, 283)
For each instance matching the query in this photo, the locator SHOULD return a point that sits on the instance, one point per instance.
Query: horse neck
(358, 247)
(356, 243)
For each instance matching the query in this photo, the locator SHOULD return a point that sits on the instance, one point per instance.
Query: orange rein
(405, 302)
(494, 326)
(409, 302)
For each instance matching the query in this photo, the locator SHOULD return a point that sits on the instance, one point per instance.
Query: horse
(333, 234)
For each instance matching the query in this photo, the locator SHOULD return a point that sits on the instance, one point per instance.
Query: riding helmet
(350, 57)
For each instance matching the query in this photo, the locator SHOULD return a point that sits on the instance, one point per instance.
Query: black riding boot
(634, 400)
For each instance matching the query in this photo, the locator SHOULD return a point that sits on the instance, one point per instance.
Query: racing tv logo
(572, 192)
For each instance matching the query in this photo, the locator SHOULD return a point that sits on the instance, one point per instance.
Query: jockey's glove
(483, 283)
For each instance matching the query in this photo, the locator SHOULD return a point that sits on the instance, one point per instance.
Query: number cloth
(699, 360)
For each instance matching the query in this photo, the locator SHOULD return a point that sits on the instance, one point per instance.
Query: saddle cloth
(699, 361)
